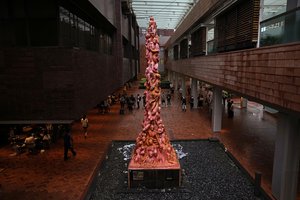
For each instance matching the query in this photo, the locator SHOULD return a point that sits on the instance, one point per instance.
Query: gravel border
(208, 172)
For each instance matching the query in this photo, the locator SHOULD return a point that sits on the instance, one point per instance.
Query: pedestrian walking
(230, 111)
(68, 143)
(122, 102)
(191, 102)
(200, 100)
(183, 104)
(138, 100)
(85, 124)
(163, 100)
(168, 99)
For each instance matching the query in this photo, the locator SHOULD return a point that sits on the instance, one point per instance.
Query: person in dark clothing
(191, 102)
(200, 100)
(230, 108)
(131, 103)
(68, 144)
(168, 99)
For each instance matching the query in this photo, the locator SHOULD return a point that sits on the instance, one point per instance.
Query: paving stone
(249, 137)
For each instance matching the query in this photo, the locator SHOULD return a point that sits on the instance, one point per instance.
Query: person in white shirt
(85, 124)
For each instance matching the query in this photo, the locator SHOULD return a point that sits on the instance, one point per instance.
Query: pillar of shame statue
(153, 148)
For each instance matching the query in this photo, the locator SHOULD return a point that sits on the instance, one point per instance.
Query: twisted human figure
(153, 147)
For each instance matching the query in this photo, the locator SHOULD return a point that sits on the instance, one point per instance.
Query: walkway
(249, 136)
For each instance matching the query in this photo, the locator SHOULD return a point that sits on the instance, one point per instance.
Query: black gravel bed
(208, 172)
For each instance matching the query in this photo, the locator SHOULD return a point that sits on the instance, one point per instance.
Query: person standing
(163, 100)
(191, 102)
(183, 104)
(138, 99)
(85, 124)
(68, 144)
(49, 128)
(122, 102)
(200, 100)
(230, 108)
(168, 99)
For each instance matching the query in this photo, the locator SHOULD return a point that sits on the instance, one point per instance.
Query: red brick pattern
(270, 75)
(48, 176)
(53, 83)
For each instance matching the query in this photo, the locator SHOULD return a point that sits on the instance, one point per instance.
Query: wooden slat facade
(175, 51)
(237, 28)
(198, 42)
(184, 48)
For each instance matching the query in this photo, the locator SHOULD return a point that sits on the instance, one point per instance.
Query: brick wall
(54, 83)
(270, 75)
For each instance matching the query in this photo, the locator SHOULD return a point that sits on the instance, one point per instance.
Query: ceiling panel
(167, 13)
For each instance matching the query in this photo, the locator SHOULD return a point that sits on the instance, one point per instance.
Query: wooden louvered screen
(220, 33)
(198, 39)
(231, 30)
(175, 51)
(237, 28)
(184, 48)
(255, 20)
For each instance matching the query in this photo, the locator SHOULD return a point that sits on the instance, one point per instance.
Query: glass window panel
(63, 15)
(272, 8)
(80, 24)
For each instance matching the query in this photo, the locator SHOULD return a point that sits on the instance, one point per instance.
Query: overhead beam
(160, 13)
(157, 1)
(161, 7)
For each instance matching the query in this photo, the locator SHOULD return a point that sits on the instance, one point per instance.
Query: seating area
(33, 138)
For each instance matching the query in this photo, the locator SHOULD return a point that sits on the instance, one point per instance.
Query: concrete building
(61, 58)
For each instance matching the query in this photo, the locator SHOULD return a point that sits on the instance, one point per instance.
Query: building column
(217, 109)
(176, 81)
(183, 86)
(173, 78)
(117, 38)
(194, 92)
(169, 76)
(286, 158)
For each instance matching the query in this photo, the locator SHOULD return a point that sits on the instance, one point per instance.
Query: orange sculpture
(153, 148)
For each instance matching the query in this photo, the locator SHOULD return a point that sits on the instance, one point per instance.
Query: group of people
(38, 138)
(131, 102)
(104, 106)
(191, 102)
(205, 99)
(166, 97)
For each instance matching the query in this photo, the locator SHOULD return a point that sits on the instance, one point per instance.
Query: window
(272, 8)
(76, 31)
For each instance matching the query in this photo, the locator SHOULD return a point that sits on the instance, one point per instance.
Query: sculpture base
(154, 177)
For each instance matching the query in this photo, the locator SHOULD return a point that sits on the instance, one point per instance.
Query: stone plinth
(155, 176)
